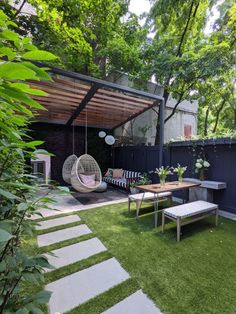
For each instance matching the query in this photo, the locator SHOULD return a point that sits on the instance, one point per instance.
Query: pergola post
(161, 134)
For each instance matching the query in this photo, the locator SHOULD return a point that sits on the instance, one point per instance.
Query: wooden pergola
(84, 100)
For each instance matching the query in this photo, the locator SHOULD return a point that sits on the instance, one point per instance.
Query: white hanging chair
(67, 167)
(85, 165)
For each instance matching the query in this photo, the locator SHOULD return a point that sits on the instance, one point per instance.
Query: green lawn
(196, 275)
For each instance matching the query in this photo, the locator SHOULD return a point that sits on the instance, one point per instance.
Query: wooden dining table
(168, 187)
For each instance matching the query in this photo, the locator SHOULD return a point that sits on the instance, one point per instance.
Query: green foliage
(89, 35)
(190, 63)
(18, 192)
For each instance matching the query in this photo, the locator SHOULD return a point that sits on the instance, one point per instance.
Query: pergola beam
(83, 103)
(155, 103)
(93, 80)
(97, 83)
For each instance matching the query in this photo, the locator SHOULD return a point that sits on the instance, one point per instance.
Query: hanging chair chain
(73, 137)
(86, 131)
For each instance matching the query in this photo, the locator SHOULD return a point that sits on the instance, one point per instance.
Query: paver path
(75, 252)
(77, 288)
(136, 303)
(62, 235)
(57, 222)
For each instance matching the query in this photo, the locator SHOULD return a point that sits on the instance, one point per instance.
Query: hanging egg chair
(67, 167)
(85, 175)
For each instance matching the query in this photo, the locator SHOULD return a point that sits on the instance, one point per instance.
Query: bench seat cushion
(119, 182)
(190, 209)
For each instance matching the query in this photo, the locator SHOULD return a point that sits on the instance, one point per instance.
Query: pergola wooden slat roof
(108, 105)
(73, 97)
(105, 108)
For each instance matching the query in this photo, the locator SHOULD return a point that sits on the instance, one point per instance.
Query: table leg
(138, 205)
(163, 221)
(155, 211)
(178, 229)
(185, 196)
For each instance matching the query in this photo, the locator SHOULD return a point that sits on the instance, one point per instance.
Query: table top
(168, 187)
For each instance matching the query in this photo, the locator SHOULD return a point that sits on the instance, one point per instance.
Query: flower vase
(202, 174)
(180, 179)
(162, 182)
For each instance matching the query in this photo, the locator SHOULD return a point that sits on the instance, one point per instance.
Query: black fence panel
(221, 154)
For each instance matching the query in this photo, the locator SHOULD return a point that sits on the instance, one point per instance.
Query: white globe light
(110, 140)
(102, 134)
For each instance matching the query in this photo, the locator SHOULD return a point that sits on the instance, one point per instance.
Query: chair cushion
(117, 173)
(88, 180)
(109, 173)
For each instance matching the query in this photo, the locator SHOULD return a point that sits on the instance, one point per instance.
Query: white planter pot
(134, 190)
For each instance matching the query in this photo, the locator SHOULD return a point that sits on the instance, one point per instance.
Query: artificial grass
(196, 275)
(72, 268)
(107, 299)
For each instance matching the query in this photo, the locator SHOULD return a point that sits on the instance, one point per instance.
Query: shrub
(18, 190)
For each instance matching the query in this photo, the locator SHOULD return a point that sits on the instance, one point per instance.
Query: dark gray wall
(220, 153)
(58, 141)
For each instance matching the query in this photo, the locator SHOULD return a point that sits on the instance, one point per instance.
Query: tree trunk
(206, 122)
(218, 115)
(165, 95)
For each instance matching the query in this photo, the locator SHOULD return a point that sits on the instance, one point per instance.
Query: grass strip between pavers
(78, 266)
(107, 299)
(60, 227)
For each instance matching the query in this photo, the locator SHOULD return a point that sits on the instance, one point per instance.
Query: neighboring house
(142, 129)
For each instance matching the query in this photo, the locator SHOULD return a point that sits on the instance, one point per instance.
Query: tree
(219, 92)
(181, 56)
(89, 36)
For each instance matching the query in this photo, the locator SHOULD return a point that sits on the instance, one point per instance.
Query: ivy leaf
(32, 144)
(6, 51)
(22, 311)
(5, 236)
(9, 35)
(39, 55)
(27, 89)
(17, 94)
(16, 71)
(8, 195)
(40, 72)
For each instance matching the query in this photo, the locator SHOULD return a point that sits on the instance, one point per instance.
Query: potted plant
(201, 166)
(132, 186)
(163, 172)
(180, 171)
(144, 179)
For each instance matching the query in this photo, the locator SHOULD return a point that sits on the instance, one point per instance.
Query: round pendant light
(110, 140)
(102, 134)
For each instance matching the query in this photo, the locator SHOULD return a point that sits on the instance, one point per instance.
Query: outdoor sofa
(122, 181)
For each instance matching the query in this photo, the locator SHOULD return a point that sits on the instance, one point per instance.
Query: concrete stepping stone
(57, 222)
(62, 235)
(75, 252)
(137, 303)
(77, 288)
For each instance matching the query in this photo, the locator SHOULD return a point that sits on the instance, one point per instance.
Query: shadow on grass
(145, 223)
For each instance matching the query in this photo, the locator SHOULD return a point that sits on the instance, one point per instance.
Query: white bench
(140, 197)
(193, 211)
